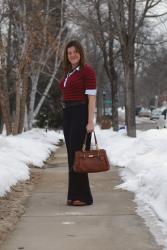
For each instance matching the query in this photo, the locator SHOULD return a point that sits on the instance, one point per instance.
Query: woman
(79, 96)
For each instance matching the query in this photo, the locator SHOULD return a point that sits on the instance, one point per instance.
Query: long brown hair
(79, 49)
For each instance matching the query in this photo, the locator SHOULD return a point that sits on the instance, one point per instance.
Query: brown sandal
(78, 203)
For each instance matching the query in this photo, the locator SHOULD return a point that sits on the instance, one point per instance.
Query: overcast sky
(160, 22)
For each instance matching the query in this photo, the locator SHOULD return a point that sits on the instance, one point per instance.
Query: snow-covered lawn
(17, 152)
(143, 162)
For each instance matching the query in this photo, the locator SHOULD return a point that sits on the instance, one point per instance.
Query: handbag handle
(84, 144)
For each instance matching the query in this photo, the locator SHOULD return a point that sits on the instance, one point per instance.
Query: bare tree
(33, 50)
(106, 43)
(51, 46)
(127, 24)
(23, 59)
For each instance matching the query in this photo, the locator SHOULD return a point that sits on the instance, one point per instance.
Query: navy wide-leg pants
(74, 127)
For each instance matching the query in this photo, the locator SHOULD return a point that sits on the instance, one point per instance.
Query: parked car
(144, 112)
(156, 113)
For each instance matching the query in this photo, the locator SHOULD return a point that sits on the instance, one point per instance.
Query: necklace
(69, 74)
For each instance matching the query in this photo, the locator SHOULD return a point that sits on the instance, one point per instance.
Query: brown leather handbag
(91, 161)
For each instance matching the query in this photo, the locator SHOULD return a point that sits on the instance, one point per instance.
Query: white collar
(78, 68)
(75, 69)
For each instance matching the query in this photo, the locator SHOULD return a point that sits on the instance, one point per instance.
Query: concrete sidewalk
(110, 224)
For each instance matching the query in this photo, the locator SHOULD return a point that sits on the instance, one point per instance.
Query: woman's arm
(91, 111)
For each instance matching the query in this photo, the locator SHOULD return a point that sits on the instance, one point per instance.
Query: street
(144, 123)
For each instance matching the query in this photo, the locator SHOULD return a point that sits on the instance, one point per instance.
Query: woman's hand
(90, 127)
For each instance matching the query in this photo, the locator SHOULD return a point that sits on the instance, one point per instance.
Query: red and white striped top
(79, 83)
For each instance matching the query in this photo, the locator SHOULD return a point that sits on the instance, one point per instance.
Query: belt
(68, 104)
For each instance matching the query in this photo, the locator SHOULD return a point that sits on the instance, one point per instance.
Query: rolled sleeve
(90, 92)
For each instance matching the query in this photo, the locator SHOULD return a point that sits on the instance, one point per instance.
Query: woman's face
(73, 56)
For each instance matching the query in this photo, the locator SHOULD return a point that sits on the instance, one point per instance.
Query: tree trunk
(130, 100)
(34, 81)
(127, 41)
(114, 87)
(9, 46)
(129, 72)
(17, 115)
(99, 101)
(4, 102)
(23, 100)
(112, 74)
(114, 95)
(26, 119)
